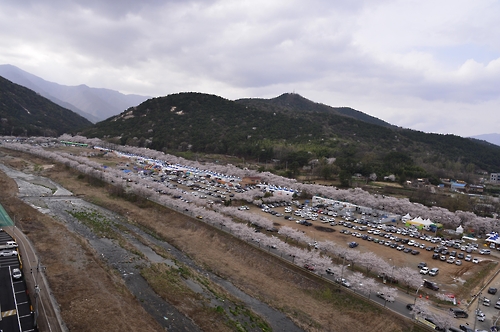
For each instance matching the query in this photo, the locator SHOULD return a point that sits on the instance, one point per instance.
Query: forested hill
(199, 122)
(24, 112)
(293, 102)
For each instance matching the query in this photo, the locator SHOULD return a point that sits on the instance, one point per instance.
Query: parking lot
(16, 309)
(393, 242)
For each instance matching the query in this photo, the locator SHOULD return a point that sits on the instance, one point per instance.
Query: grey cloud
(259, 48)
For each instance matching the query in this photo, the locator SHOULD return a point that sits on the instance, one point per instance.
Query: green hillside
(295, 103)
(291, 132)
(24, 112)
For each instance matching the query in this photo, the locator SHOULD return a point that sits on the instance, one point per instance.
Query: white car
(424, 270)
(8, 253)
(16, 273)
(434, 271)
(387, 298)
(475, 260)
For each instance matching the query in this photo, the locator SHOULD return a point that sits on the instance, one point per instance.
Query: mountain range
(286, 130)
(294, 134)
(99, 104)
(92, 103)
(23, 112)
(491, 138)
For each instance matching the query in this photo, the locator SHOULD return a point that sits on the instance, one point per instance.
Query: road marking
(9, 313)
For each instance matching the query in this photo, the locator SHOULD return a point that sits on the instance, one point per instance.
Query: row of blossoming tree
(241, 223)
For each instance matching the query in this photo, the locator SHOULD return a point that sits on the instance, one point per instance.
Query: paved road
(49, 318)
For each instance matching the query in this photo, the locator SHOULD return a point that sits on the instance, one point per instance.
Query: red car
(310, 267)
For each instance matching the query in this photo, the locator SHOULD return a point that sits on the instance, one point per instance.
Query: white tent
(493, 237)
(419, 222)
(406, 217)
(459, 230)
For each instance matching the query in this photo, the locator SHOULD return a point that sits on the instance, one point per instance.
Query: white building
(495, 177)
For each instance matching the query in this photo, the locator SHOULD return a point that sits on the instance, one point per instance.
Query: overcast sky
(432, 66)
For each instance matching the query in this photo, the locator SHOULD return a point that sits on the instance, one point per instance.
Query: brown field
(93, 298)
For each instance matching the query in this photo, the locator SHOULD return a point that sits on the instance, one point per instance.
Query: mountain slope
(24, 112)
(199, 122)
(213, 124)
(491, 138)
(92, 103)
(295, 103)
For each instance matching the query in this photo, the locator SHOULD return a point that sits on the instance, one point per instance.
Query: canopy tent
(419, 223)
(406, 217)
(493, 237)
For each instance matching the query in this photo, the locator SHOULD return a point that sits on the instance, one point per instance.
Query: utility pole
(39, 267)
(475, 313)
(342, 274)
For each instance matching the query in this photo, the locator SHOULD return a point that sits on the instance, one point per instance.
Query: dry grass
(90, 297)
(309, 301)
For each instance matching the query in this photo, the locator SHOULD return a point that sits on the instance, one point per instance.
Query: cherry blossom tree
(388, 292)
(443, 320)
(357, 280)
(370, 261)
(327, 246)
(409, 277)
(421, 307)
(289, 232)
(368, 286)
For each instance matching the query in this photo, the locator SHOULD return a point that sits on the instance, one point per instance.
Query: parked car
(434, 271)
(431, 285)
(459, 313)
(492, 290)
(16, 273)
(468, 258)
(8, 253)
(329, 270)
(480, 316)
(484, 251)
(424, 270)
(421, 265)
(486, 302)
(475, 260)
(435, 256)
(466, 328)
(458, 262)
